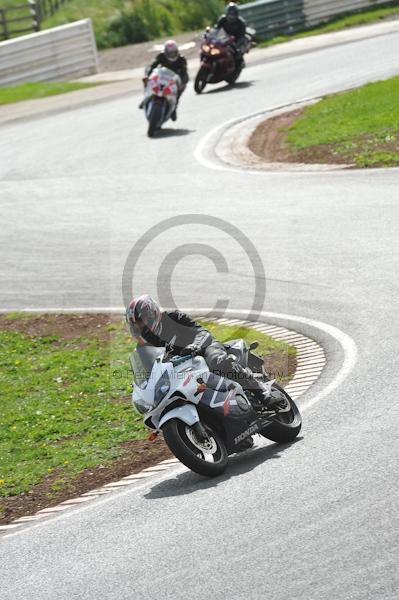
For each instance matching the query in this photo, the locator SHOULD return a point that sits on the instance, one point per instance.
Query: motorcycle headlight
(162, 388)
(206, 48)
(140, 405)
(215, 51)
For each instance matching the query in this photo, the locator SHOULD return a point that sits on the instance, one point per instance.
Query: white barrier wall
(317, 11)
(56, 54)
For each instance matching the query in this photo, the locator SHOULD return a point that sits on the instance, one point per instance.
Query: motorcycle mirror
(254, 345)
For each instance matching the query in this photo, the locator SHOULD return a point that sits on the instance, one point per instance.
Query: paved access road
(317, 520)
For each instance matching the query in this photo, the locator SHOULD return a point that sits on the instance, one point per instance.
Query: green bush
(124, 28)
(149, 19)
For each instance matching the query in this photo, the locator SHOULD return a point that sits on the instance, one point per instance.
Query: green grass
(361, 125)
(62, 407)
(362, 18)
(31, 91)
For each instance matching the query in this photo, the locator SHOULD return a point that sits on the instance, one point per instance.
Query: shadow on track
(187, 483)
(169, 132)
(230, 87)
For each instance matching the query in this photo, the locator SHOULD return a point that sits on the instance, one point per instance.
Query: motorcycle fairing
(186, 413)
(162, 87)
(230, 408)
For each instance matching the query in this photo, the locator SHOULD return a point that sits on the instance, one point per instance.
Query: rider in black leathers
(235, 26)
(177, 330)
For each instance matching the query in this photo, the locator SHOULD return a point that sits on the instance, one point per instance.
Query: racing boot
(259, 391)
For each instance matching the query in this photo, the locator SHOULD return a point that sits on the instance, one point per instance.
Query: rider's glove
(192, 349)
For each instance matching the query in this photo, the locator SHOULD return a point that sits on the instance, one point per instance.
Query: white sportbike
(205, 417)
(160, 97)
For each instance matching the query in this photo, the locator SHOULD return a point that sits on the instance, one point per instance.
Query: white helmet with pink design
(171, 50)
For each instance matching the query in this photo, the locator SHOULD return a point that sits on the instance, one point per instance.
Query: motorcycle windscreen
(142, 361)
(218, 35)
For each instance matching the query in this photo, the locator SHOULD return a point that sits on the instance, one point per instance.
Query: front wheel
(201, 80)
(287, 424)
(206, 457)
(154, 119)
(233, 78)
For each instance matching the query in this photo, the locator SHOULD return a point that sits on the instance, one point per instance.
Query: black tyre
(208, 460)
(233, 78)
(201, 80)
(154, 118)
(286, 425)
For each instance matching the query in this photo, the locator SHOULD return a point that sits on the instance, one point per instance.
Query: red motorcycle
(219, 60)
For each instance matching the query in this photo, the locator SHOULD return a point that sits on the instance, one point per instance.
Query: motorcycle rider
(173, 60)
(150, 325)
(235, 26)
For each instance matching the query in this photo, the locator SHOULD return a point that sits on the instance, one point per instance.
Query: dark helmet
(232, 12)
(148, 311)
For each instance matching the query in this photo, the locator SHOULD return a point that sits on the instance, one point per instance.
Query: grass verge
(31, 91)
(360, 126)
(65, 389)
(362, 18)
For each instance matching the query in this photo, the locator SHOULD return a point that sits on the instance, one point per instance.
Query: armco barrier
(317, 11)
(57, 54)
(274, 17)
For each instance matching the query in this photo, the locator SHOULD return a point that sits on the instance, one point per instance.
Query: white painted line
(313, 369)
(141, 475)
(78, 500)
(120, 483)
(54, 509)
(81, 310)
(58, 508)
(155, 468)
(311, 361)
(348, 346)
(309, 354)
(298, 387)
(206, 151)
(304, 379)
(295, 339)
(27, 519)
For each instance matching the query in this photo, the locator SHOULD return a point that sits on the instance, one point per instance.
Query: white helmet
(171, 50)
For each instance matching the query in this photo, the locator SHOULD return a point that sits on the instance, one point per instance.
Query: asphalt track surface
(314, 520)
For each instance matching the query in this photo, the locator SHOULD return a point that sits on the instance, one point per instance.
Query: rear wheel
(287, 424)
(204, 456)
(154, 119)
(201, 80)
